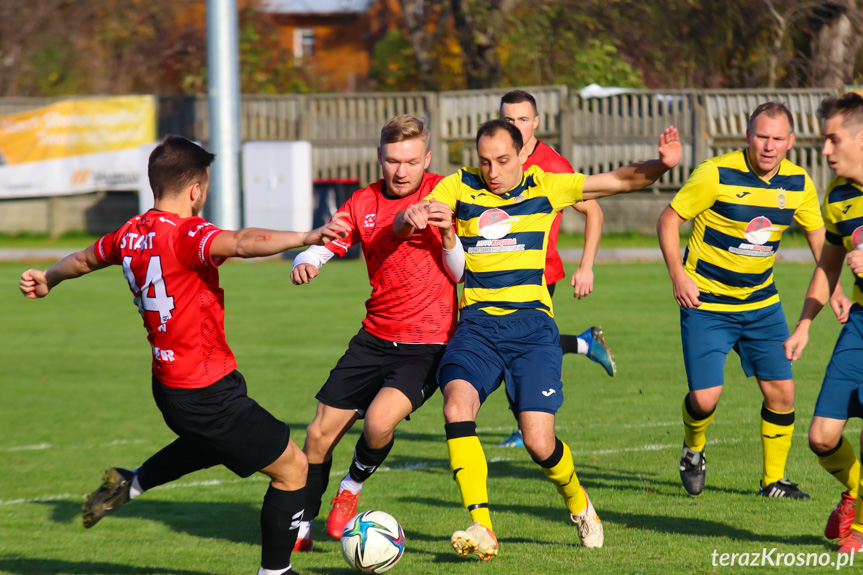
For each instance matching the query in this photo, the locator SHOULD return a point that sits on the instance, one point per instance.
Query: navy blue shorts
(756, 335)
(521, 348)
(840, 395)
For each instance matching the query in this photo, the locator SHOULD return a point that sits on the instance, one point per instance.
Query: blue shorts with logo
(841, 395)
(756, 335)
(521, 348)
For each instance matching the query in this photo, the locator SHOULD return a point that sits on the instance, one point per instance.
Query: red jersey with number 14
(412, 300)
(175, 283)
(548, 160)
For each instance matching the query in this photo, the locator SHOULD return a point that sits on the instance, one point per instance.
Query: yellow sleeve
(808, 214)
(447, 190)
(698, 193)
(562, 189)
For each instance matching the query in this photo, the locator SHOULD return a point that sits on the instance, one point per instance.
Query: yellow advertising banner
(76, 128)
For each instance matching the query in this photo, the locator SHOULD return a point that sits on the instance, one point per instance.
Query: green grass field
(76, 399)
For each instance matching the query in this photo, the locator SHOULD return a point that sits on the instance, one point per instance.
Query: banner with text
(76, 146)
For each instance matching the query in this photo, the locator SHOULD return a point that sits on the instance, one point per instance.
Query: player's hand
(686, 291)
(582, 283)
(439, 214)
(840, 304)
(303, 273)
(670, 149)
(855, 262)
(417, 216)
(34, 284)
(795, 343)
(334, 229)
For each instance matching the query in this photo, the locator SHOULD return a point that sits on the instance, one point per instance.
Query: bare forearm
(257, 242)
(73, 266)
(592, 233)
(669, 242)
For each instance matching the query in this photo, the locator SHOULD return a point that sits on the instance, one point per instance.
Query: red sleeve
(108, 250)
(194, 240)
(559, 165)
(341, 246)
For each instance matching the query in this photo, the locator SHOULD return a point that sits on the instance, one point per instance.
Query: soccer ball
(373, 542)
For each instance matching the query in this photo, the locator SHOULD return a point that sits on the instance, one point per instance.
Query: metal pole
(223, 85)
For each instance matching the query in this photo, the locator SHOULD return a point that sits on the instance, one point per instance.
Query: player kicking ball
(841, 395)
(170, 258)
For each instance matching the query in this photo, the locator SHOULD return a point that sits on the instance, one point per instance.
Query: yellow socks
(561, 471)
(469, 469)
(842, 464)
(776, 430)
(694, 426)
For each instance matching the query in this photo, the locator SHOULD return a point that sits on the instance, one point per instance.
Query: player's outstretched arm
(684, 287)
(37, 283)
(638, 175)
(582, 277)
(412, 219)
(258, 242)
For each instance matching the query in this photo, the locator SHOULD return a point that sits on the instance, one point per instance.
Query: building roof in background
(316, 6)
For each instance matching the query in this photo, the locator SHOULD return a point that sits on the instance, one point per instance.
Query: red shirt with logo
(548, 160)
(412, 299)
(175, 283)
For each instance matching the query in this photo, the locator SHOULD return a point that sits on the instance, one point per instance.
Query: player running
(388, 370)
(170, 259)
(506, 332)
(741, 204)
(840, 396)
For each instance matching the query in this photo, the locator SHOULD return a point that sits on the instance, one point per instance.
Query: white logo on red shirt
(369, 221)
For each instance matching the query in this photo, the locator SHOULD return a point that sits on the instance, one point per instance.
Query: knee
(378, 433)
(291, 470)
(823, 444)
(318, 443)
(540, 447)
(704, 401)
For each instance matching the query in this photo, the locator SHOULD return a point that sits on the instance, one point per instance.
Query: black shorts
(223, 420)
(372, 363)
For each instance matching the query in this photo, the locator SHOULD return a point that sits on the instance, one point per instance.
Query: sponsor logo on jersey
(494, 224)
(757, 234)
(846, 208)
(781, 199)
(759, 230)
(857, 238)
(743, 194)
(369, 220)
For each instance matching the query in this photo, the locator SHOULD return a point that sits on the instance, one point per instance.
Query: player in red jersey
(518, 108)
(170, 257)
(388, 370)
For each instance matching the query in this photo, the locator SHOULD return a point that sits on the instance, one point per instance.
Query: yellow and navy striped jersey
(738, 220)
(505, 236)
(843, 218)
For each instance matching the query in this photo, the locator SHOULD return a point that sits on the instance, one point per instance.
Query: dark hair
(772, 109)
(518, 97)
(176, 163)
(492, 127)
(848, 105)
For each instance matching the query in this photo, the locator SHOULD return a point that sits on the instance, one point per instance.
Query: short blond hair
(403, 128)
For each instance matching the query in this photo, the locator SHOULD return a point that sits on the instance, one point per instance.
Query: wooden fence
(595, 133)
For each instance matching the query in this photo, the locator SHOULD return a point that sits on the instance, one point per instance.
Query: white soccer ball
(373, 542)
